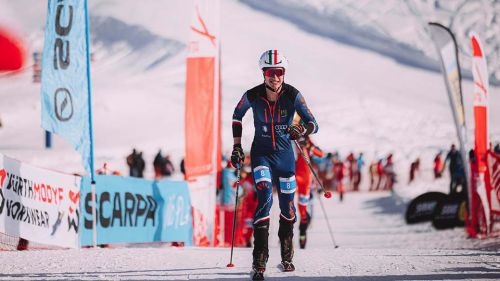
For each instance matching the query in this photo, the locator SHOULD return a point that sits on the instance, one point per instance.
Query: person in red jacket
(303, 176)
(339, 172)
(438, 166)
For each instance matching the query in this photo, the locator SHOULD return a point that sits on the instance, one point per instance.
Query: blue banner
(133, 210)
(65, 92)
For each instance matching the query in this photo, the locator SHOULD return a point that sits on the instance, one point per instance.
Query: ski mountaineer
(304, 176)
(274, 104)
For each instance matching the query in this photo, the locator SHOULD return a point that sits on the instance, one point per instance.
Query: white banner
(202, 192)
(38, 205)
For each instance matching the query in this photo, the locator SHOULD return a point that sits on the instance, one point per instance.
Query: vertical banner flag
(65, 80)
(202, 117)
(446, 45)
(481, 89)
(481, 92)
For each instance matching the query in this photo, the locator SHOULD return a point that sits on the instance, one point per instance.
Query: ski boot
(304, 224)
(260, 250)
(258, 274)
(285, 234)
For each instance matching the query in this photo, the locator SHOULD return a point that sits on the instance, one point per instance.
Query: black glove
(237, 156)
(296, 131)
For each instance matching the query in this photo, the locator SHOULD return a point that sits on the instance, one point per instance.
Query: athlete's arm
(305, 114)
(240, 110)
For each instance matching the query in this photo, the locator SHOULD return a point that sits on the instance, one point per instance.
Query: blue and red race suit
(271, 154)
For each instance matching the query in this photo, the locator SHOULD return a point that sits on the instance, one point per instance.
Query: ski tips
(328, 194)
(230, 265)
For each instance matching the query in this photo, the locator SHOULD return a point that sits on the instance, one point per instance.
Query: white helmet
(272, 58)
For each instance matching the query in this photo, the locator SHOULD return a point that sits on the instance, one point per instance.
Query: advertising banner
(423, 207)
(446, 46)
(65, 81)
(38, 205)
(203, 117)
(134, 210)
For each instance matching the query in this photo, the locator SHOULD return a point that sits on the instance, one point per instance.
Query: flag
(202, 117)
(446, 45)
(481, 92)
(65, 80)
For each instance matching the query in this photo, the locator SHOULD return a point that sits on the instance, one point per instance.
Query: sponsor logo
(63, 105)
(426, 207)
(450, 209)
(264, 129)
(124, 210)
(280, 127)
(283, 113)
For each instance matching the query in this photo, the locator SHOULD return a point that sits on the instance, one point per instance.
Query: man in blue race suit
(274, 104)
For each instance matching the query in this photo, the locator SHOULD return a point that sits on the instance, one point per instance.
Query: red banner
(202, 118)
(198, 115)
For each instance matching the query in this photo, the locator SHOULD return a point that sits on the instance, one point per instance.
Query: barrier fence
(51, 209)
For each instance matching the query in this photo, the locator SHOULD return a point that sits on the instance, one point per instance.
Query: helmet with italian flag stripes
(271, 59)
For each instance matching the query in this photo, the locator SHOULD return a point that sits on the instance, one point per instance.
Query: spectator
(497, 149)
(351, 162)
(390, 175)
(360, 162)
(414, 169)
(168, 167)
(438, 166)
(182, 168)
(456, 168)
(339, 172)
(379, 173)
(372, 171)
(325, 168)
(141, 165)
(132, 163)
(158, 164)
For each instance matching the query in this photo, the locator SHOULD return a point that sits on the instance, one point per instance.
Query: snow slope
(375, 244)
(398, 29)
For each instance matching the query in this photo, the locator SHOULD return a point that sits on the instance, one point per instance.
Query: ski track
(375, 244)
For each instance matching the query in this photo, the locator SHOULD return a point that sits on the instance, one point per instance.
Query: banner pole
(89, 91)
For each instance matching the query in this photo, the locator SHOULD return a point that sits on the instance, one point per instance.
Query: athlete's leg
(263, 186)
(283, 164)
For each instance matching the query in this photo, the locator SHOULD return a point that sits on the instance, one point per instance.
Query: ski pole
(327, 194)
(327, 222)
(238, 173)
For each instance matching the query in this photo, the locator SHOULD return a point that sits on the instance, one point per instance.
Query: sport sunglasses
(270, 72)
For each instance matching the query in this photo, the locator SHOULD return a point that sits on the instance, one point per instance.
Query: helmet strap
(271, 89)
